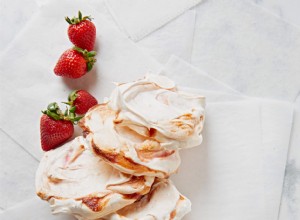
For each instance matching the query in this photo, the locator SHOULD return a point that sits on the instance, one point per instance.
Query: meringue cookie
(76, 181)
(143, 125)
(172, 117)
(125, 149)
(163, 202)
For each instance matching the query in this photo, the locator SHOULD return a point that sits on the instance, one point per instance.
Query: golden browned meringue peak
(76, 181)
(163, 202)
(143, 125)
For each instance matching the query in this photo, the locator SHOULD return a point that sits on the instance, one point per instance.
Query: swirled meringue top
(155, 105)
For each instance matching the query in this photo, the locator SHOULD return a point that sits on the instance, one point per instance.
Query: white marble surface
(18, 170)
(15, 14)
(251, 56)
(287, 10)
(160, 44)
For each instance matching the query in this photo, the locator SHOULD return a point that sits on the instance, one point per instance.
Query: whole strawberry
(82, 32)
(56, 127)
(82, 100)
(74, 63)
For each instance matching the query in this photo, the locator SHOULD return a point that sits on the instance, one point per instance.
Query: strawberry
(82, 32)
(56, 127)
(75, 63)
(82, 100)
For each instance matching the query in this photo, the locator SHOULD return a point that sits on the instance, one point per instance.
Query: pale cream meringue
(144, 124)
(163, 202)
(76, 181)
(125, 149)
(154, 105)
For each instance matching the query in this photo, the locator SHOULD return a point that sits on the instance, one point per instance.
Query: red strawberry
(75, 63)
(54, 132)
(55, 127)
(82, 32)
(82, 100)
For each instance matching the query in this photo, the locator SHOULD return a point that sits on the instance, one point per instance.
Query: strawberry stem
(68, 20)
(77, 20)
(79, 15)
(78, 49)
(71, 98)
(89, 56)
(54, 112)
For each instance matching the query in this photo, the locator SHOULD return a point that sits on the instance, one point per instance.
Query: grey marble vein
(292, 179)
(290, 202)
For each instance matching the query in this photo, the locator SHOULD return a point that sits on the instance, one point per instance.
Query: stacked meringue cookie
(120, 169)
